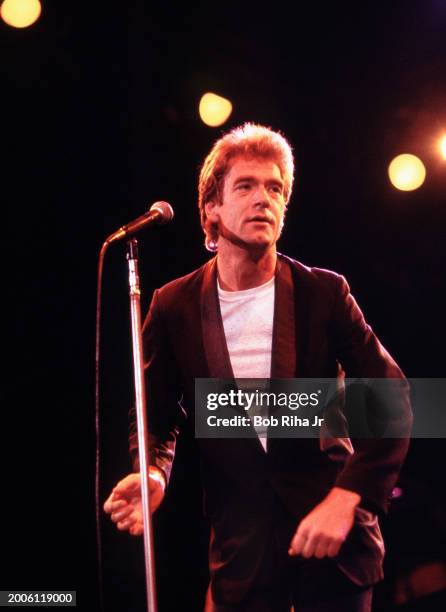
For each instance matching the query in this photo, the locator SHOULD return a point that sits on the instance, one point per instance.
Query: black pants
(309, 585)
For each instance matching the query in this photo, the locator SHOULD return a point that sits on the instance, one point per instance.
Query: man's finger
(298, 542)
(309, 547)
(126, 523)
(114, 505)
(109, 503)
(136, 530)
(121, 514)
(321, 549)
(334, 548)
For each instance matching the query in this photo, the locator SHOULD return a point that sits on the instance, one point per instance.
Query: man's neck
(240, 269)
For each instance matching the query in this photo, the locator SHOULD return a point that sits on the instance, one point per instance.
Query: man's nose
(262, 197)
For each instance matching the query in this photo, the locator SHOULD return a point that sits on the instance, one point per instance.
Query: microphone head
(165, 210)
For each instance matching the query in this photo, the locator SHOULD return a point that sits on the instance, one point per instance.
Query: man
(293, 521)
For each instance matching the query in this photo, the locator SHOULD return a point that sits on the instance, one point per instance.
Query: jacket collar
(283, 358)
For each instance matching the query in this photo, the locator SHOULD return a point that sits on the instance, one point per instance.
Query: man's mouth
(259, 219)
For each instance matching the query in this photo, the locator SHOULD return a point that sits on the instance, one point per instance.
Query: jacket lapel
(301, 311)
(214, 340)
(289, 329)
(283, 352)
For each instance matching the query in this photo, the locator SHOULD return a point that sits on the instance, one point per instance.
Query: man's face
(252, 208)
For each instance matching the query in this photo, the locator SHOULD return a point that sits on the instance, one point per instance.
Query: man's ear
(211, 208)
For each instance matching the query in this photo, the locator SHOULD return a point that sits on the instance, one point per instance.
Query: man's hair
(249, 140)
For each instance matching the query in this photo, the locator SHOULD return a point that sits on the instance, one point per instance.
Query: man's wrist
(157, 474)
(350, 498)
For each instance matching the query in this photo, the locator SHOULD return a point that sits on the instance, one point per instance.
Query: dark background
(99, 119)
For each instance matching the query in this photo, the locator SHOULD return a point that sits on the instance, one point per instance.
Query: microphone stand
(140, 396)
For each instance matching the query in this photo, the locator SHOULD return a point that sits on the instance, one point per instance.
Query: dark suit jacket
(318, 327)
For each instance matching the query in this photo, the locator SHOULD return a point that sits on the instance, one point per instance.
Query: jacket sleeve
(163, 393)
(373, 468)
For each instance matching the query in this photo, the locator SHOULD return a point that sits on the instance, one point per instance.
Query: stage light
(214, 110)
(407, 172)
(20, 13)
(443, 147)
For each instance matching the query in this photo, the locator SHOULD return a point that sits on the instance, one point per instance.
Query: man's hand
(323, 531)
(124, 503)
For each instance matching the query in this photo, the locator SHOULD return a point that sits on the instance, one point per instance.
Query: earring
(211, 245)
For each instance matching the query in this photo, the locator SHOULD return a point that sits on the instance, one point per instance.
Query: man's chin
(259, 247)
(261, 240)
(260, 244)
(256, 242)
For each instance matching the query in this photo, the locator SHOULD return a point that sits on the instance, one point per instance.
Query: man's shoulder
(189, 284)
(312, 275)
(188, 287)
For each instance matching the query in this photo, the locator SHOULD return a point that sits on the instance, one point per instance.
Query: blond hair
(248, 140)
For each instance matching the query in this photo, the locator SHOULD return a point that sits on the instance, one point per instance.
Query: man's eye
(243, 186)
(276, 189)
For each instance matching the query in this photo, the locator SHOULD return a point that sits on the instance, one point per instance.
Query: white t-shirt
(248, 323)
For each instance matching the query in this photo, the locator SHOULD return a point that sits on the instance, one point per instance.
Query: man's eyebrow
(242, 179)
(250, 178)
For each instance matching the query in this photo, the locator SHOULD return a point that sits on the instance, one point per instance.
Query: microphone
(160, 213)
